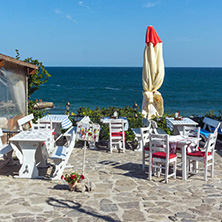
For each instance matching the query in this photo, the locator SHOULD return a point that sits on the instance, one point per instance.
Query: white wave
(110, 88)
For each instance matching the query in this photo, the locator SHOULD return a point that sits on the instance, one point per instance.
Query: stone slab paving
(122, 193)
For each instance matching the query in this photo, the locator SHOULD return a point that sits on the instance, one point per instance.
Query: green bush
(135, 121)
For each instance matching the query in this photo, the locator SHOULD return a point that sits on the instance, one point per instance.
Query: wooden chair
(210, 126)
(160, 156)
(61, 155)
(138, 138)
(155, 128)
(5, 152)
(145, 133)
(116, 134)
(206, 156)
(26, 123)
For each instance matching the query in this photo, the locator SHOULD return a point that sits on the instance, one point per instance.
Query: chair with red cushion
(206, 156)
(116, 135)
(160, 156)
(145, 132)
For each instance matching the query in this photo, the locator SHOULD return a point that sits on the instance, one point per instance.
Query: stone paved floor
(122, 193)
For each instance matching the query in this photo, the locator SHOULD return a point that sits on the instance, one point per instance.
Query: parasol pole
(84, 158)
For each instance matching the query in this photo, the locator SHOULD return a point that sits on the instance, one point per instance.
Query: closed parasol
(153, 75)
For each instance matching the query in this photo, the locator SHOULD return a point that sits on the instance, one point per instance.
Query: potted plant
(72, 179)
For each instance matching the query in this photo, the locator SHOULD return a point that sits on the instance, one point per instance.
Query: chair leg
(110, 147)
(143, 160)
(124, 146)
(150, 167)
(212, 168)
(166, 172)
(175, 170)
(205, 171)
(188, 167)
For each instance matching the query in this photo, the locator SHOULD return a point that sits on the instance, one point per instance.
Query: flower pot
(72, 186)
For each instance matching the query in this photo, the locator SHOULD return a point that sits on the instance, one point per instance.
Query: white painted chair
(206, 156)
(210, 126)
(61, 155)
(160, 156)
(116, 134)
(138, 138)
(145, 132)
(26, 123)
(192, 131)
(5, 152)
(155, 128)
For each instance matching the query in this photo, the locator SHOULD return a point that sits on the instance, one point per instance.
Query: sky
(112, 32)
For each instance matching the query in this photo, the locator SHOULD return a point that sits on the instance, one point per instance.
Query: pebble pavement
(122, 193)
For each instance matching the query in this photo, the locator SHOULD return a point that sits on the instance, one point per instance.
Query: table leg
(184, 163)
(28, 168)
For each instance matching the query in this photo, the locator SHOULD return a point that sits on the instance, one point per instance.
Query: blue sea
(192, 91)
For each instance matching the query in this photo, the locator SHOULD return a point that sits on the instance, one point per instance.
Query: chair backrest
(192, 131)
(159, 143)
(145, 133)
(116, 126)
(26, 122)
(211, 143)
(44, 124)
(208, 122)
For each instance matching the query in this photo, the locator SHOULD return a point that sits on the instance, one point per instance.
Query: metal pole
(84, 157)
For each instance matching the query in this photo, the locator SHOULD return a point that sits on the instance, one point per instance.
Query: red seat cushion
(147, 148)
(119, 134)
(198, 154)
(163, 155)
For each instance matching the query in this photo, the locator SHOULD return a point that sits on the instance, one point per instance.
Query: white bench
(5, 152)
(60, 156)
(210, 126)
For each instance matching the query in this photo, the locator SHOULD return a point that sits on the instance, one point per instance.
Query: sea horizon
(191, 90)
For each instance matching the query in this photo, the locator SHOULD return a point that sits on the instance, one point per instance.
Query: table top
(63, 119)
(28, 136)
(181, 139)
(170, 122)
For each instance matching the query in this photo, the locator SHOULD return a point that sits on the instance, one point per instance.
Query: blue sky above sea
(112, 33)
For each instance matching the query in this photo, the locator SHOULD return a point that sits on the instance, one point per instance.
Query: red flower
(62, 177)
(43, 143)
(82, 177)
(53, 133)
(73, 177)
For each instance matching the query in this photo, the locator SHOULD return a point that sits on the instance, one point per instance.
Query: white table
(32, 148)
(177, 125)
(182, 143)
(125, 121)
(58, 121)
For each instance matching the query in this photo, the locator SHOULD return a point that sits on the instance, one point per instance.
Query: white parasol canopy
(153, 75)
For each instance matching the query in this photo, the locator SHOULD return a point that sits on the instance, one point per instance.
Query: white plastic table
(26, 144)
(177, 125)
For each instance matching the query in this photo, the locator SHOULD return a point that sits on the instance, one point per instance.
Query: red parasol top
(151, 36)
